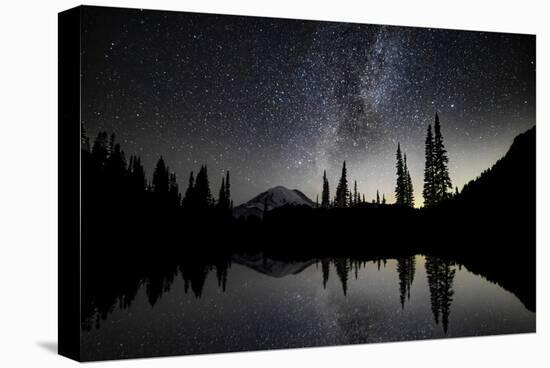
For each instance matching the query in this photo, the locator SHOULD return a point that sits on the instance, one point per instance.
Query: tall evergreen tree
(442, 181)
(383, 198)
(401, 178)
(173, 190)
(377, 197)
(409, 191)
(116, 162)
(325, 196)
(112, 143)
(355, 194)
(136, 173)
(221, 197)
(228, 191)
(84, 140)
(429, 171)
(342, 191)
(202, 189)
(100, 149)
(189, 193)
(160, 178)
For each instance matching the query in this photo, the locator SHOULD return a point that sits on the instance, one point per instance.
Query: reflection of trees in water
(380, 261)
(156, 285)
(440, 275)
(342, 270)
(325, 267)
(406, 268)
(344, 266)
(221, 267)
(117, 287)
(122, 288)
(194, 276)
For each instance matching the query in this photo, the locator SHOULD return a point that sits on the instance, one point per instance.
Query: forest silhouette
(139, 232)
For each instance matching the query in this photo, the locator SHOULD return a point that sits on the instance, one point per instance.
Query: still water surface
(270, 304)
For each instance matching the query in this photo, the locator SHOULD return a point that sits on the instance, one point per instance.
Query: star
(281, 101)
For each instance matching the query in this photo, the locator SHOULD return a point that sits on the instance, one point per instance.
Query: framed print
(232, 183)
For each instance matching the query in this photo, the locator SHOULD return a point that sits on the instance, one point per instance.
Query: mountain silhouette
(491, 222)
(270, 199)
(512, 175)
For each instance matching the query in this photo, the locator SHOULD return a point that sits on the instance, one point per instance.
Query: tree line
(105, 163)
(344, 196)
(437, 182)
(106, 158)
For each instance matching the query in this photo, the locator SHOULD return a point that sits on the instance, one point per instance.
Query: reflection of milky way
(259, 311)
(278, 101)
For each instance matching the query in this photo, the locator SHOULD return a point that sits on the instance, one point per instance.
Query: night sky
(278, 101)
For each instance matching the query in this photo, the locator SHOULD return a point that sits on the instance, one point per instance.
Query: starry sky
(277, 101)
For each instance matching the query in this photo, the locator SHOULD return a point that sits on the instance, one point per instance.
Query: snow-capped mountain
(270, 199)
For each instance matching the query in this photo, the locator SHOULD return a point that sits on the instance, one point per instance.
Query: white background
(28, 182)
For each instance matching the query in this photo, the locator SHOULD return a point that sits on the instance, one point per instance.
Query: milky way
(277, 101)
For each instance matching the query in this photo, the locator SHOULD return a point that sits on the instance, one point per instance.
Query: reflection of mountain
(272, 198)
(271, 267)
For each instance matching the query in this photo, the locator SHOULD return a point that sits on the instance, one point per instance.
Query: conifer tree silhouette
(100, 149)
(355, 194)
(429, 171)
(202, 191)
(160, 178)
(409, 191)
(136, 174)
(400, 196)
(116, 162)
(221, 197)
(84, 140)
(189, 197)
(173, 190)
(442, 181)
(342, 191)
(228, 201)
(325, 196)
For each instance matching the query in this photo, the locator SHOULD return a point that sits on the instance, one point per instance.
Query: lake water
(271, 304)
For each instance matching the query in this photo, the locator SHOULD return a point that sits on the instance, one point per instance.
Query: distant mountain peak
(272, 198)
